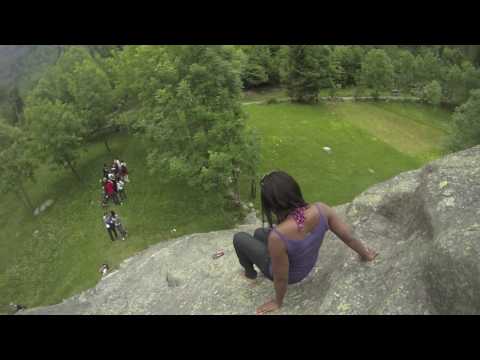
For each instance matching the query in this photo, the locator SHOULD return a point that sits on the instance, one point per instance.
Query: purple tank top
(303, 254)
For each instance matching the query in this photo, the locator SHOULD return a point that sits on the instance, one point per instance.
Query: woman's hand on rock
(370, 256)
(268, 307)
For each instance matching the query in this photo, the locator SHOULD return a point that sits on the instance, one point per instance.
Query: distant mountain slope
(22, 64)
(9, 58)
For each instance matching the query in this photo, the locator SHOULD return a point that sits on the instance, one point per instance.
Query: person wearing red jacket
(110, 191)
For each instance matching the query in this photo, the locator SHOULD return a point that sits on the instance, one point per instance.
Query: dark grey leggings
(111, 230)
(253, 250)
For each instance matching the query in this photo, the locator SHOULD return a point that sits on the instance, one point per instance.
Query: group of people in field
(113, 181)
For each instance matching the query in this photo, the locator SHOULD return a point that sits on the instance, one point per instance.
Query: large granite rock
(424, 223)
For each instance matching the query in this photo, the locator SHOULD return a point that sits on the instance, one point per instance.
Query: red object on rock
(218, 254)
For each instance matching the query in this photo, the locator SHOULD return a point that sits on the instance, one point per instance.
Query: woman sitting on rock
(288, 252)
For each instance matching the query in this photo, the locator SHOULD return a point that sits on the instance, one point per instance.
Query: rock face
(43, 207)
(424, 223)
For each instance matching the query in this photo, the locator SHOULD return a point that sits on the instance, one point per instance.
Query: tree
(350, 59)
(466, 123)
(455, 89)
(92, 98)
(471, 75)
(428, 67)
(277, 57)
(307, 71)
(57, 132)
(377, 71)
(452, 56)
(80, 81)
(16, 163)
(404, 65)
(138, 72)
(196, 129)
(432, 93)
(336, 71)
(257, 67)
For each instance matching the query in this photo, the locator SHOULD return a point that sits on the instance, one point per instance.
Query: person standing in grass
(110, 225)
(118, 224)
(124, 171)
(105, 170)
(288, 252)
(109, 189)
(121, 190)
(104, 192)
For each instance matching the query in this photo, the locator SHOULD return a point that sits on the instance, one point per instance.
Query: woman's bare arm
(280, 266)
(342, 230)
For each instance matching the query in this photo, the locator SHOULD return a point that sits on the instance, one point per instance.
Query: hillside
(424, 224)
(46, 258)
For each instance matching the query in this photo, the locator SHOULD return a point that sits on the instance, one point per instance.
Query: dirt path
(344, 98)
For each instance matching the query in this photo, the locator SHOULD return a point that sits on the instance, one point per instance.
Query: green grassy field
(387, 138)
(57, 254)
(64, 256)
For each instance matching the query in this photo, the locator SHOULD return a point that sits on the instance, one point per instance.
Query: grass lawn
(47, 258)
(413, 129)
(386, 138)
(64, 256)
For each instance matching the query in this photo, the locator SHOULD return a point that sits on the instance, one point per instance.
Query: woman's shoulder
(324, 208)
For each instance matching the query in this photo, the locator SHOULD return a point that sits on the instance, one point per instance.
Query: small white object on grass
(371, 171)
(327, 149)
(174, 230)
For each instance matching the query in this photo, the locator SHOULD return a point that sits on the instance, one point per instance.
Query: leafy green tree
(307, 71)
(428, 67)
(337, 72)
(377, 71)
(92, 98)
(459, 80)
(466, 121)
(56, 81)
(471, 75)
(350, 58)
(57, 132)
(328, 71)
(103, 50)
(196, 129)
(257, 67)
(138, 72)
(16, 163)
(455, 89)
(277, 58)
(432, 93)
(404, 65)
(80, 81)
(452, 56)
